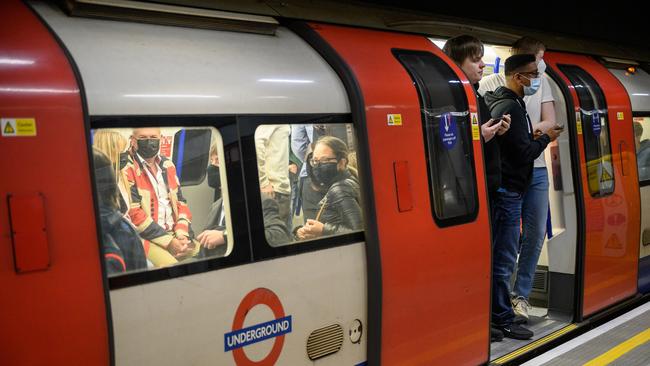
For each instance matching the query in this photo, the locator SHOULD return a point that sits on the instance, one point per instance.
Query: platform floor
(622, 341)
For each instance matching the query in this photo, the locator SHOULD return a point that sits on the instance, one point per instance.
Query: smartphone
(494, 122)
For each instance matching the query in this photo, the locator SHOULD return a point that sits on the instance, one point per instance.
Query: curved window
(642, 148)
(150, 217)
(447, 130)
(595, 127)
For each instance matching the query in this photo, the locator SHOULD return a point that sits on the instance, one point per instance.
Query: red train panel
(435, 306)
(45, 311)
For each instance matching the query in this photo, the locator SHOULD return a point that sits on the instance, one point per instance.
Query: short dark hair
(638, 129)
(461, 47)
(516, 63)
(527, 45)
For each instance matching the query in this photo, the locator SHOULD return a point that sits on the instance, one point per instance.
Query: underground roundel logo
(241, 337)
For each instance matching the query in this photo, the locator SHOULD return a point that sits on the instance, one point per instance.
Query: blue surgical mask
(541, 67)
(534, 86)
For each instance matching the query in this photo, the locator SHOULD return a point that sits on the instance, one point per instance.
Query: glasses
(314, 162)
(534, 74)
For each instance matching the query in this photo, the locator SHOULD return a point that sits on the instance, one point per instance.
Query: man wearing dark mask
(339, 211)
(519, 148)
(158, 210)
(214, 177)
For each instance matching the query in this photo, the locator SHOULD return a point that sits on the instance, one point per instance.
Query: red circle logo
(241, 337)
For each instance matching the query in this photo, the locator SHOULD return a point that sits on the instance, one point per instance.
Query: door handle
(625, 159)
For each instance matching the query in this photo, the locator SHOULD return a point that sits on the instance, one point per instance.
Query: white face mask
(541, 67)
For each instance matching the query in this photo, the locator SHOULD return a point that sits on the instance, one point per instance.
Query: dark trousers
(506, 221)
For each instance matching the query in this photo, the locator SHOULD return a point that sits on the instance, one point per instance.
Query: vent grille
(540, 281)
(324, 341)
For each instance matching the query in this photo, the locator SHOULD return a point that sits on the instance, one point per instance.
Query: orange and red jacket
(143, 209)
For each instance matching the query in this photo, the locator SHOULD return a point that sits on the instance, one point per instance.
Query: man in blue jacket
(519, 148)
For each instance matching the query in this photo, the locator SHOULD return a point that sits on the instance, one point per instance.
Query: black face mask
(148, 148)
(322, 175)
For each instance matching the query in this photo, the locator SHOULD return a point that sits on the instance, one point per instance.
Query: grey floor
(539, 323)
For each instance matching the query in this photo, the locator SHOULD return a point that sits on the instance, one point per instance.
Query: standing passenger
(272, 148)
(467, 52)
(519, 149)
(541, 109)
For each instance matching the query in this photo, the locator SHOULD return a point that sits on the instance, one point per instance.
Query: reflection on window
(593, 113)
(309, 185)
(447, 134)
(642, 146)
(147, 221)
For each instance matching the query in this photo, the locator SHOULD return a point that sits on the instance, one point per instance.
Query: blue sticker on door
(595, 123)
(448, 130)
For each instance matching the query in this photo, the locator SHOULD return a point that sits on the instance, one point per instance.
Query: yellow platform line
(621, 349)
(537, 343)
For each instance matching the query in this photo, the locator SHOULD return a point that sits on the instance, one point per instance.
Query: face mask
(534, 86)
(541, 67)
(148, 148)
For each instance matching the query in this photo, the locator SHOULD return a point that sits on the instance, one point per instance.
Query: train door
(609, 259)
(429, 276)
(637, 83)
(50, 276)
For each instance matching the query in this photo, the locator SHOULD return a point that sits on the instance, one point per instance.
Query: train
(411, 287)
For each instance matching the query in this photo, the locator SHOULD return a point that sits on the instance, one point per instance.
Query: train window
(309, 183)
(147, 219)
(642, 146)
(445, 115)
(593, 114)
(189, 154)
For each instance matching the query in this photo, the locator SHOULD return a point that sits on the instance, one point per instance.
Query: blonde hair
(112, 144)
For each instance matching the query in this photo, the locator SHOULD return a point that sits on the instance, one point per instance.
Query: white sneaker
(521, 308)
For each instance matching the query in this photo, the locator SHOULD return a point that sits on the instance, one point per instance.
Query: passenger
(272, 147)
(214, 238)
(123, 250)
(158, 210)
(339, 211)
(113, 144)
(518, 149)
(642, 152)
(214, 178)
(541, 109)
(302, 137)
(467, 52)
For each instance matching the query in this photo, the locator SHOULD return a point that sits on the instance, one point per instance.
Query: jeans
(505, 223)
(534, 215)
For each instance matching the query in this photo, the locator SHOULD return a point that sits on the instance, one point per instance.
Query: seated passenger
(339, 211)
(113, 144)
(123, 250)
(214, 178)
(214, 239)
(158, 209)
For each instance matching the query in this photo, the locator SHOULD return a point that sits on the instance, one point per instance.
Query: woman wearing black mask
(339, 211)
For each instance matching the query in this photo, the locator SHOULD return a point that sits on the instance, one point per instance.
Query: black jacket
(490, 148)
(123, 248)
(517, 147)
(341, 209)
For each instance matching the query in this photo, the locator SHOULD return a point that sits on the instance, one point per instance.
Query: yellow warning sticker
(18, 127)
(476, 130)
(578, 123)
(620, 116)
(394, 119)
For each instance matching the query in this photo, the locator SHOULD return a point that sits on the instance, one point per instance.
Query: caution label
(579, 123)
(476, 130)
(18, 127)
(394, 119)
(620, 116)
